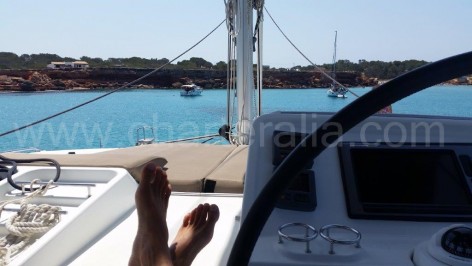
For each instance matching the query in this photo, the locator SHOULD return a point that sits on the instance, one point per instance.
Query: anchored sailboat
(335, 90)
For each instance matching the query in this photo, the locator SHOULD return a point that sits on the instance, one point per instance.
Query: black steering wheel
(315, 143)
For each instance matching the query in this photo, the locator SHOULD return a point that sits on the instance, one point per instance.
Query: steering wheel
(310, 147)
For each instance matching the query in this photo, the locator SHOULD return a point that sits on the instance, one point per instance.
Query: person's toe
(203, 214)
(147, 176)
(186, 220)
(195, 214)
(213, 214)
(162, 185)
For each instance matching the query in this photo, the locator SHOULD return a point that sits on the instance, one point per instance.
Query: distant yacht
(191, 90)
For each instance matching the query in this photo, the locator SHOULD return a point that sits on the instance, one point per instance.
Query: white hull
(191, 93)
(191, 90)
(336, 94)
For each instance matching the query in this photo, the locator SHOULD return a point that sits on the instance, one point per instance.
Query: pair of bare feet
(150, 245)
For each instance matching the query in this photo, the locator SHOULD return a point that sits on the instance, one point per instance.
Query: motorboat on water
(298, 188)
(190, 90)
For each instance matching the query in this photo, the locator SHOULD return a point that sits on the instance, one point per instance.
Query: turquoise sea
(112, 121)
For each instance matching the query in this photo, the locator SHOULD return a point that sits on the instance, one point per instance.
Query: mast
(334, 57)
(244, 70)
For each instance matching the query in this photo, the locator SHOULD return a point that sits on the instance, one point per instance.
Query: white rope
(28, 224)
(33, 220)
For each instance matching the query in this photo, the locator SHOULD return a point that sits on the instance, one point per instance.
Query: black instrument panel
(412, 182)
(301, 193)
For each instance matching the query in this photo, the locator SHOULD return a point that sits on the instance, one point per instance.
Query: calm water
(113, 120)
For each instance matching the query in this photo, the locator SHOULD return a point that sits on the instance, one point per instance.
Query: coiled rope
(28, 224)
(302, 54)
(113, 91)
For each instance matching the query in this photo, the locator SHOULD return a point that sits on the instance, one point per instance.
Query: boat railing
(89, 186)
(144, 140)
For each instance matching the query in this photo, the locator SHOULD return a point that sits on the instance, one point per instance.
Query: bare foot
(152, 198)
(195, 233)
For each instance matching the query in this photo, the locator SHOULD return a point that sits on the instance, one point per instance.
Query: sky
(384, 30)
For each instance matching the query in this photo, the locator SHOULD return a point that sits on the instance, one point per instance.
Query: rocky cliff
(40, 80)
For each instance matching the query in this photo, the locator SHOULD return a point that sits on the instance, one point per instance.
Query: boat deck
(101, 229)
(115, 247)
(191, 167)
(98, 219)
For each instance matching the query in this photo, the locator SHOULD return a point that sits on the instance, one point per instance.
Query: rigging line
(313, 64)
(257, 5)
(192, 138)
(113, 91)
(230, 16)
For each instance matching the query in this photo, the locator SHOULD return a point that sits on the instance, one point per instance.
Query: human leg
(152, 198)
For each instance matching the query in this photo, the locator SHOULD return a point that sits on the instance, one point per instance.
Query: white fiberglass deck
(99, 229)
(115, 247)
(89, 210)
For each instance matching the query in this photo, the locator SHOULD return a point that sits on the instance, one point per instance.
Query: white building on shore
(68, 65)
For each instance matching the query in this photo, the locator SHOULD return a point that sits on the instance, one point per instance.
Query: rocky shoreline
(109, 78)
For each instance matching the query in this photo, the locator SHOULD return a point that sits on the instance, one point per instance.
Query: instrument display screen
(416, 176)
(407, 182)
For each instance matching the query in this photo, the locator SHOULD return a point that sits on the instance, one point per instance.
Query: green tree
(9, 60)
(375, 69)
(221, 65)
(187, 64)
(39, 61)
(200, 62)
(93, 62)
